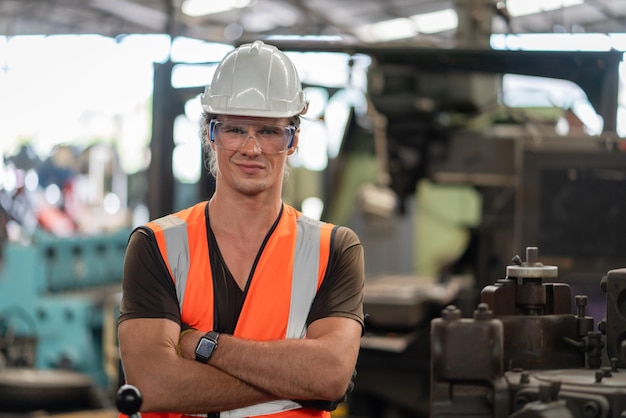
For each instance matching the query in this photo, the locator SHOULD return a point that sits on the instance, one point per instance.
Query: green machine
(59, 302)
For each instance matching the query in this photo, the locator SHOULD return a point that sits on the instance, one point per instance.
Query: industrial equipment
(448, 125)
(524, 354)
(59, 301)
(128, 400)
(564, 193)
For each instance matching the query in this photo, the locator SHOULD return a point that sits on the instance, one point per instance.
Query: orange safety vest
(286, 278)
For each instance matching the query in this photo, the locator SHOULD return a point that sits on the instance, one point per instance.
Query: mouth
(250, 168)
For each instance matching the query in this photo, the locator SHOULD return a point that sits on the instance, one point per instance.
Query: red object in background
(56, 221)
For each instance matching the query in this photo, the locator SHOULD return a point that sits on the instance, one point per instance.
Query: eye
(269, 130)
(233, 129)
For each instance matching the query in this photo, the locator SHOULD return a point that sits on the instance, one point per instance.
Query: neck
(244, 214)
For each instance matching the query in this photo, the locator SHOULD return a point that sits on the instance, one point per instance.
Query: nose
(255, 145)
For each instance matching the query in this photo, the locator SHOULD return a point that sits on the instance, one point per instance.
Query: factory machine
(59, 300)
(524, 354)
(446, 123)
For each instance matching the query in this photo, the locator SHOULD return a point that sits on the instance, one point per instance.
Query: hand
(323, 405)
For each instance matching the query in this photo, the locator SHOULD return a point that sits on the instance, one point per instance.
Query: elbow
(148, 390)
(336, 385)
(331, 391)
(153, 396)
(152, 386)
(330, 394)
(338, 375)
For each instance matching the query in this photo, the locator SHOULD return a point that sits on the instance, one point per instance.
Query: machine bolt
(599, 375)
(517, 260)
(451, 312)
(524, 378)
(532, 255)
(595, 345)
(581, 303)
(545, 394)
(555, 388)
(482, 312)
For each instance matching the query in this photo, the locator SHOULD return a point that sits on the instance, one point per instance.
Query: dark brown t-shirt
(149, 292)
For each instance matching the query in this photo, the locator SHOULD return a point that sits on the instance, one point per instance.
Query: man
(269, 301)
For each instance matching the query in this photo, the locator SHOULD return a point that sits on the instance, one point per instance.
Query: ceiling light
(387, 30)
(527, 7)
(434, 22)
(204, 7)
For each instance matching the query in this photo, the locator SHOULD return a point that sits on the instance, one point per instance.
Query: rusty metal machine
(527, 354)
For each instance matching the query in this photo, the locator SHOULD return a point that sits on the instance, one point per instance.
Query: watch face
(205, 348)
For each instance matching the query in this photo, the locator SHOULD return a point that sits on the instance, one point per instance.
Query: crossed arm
(240, 372)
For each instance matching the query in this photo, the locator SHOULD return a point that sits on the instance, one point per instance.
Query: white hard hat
(255, 80)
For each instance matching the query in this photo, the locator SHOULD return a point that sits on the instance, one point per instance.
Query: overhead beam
(148, 17)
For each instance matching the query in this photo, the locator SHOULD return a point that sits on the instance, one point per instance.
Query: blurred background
(450, 135)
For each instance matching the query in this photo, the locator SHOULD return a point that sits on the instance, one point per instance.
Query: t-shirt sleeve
(147, 288)
(341, 292)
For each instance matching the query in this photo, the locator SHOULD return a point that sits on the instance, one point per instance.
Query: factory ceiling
(353, 21)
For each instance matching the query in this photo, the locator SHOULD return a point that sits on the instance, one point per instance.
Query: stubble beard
(250, 188)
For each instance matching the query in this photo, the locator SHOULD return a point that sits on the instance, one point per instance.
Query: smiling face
(248, 170)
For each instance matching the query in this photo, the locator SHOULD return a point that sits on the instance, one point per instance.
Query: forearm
(171, 383)
(194, 388)
(290, 369)
(313, 368)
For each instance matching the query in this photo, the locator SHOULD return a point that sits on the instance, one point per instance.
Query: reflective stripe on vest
(303, 290)
(177, 250)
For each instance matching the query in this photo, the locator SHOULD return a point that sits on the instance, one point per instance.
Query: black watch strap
(206, 346)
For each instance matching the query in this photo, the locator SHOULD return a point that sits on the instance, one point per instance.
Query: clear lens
(234, 135)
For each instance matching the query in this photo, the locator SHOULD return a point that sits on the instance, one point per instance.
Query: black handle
(128, 401)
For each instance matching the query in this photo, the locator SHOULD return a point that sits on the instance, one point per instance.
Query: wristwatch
(206, 346)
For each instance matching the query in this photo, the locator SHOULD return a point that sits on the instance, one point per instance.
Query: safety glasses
(234, 134)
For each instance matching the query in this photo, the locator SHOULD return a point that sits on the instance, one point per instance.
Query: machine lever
(128, 401)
